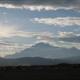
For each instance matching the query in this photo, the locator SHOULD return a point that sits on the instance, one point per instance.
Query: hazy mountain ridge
(42, 54)
(47, 51)
(28, 61)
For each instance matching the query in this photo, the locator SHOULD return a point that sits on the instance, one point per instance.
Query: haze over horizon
(24, 23)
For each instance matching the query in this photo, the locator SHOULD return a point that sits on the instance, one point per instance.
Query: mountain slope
(47, 51)
(28, 61)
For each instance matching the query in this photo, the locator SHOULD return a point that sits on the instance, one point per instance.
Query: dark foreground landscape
(47, 72)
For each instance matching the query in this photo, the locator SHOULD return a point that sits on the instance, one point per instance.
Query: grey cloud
(71, 4)
(61, 21)
(69, 37)
(42, 2)
(75, 39)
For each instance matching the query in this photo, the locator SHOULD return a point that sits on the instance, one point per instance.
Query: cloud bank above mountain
(41, 4)
(59, 21)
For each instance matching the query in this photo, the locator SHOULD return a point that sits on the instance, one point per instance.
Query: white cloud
(6, 31)
(68, 44)
(67, 34)
(38, 7)
(60, 21)
(11, 31)
(11, 48)
(42, 4)
(70, 37)
(7, 48)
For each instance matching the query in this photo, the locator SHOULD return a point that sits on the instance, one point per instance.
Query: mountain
(45, 50)
(42, 54)
(28, 61)
(72, 60)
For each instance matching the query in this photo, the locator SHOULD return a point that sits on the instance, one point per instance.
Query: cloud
(66, 34)
(35, 7)
(75, 39)
(7, 48)
(12, 31)
(69, 37)
(6, 31)
(36, 35)
(12, 48)
(63, 39)
(44, 37)
(67, 44)
(59, 21)
(41, 4)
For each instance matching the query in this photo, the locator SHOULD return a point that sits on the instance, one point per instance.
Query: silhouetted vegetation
(44, 72)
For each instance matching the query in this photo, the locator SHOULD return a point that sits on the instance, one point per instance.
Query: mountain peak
(41, 44)
(45, 50)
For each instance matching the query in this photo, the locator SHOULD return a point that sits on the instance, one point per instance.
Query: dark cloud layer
(75, 39)
(43, 2)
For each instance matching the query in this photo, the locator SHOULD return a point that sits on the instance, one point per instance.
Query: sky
(24, 23)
